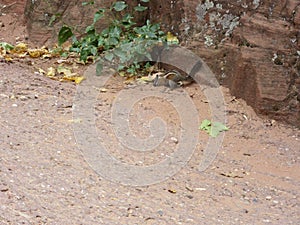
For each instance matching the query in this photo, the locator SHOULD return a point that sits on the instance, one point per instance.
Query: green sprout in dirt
(212, 128)
(6, 46)
(120, 41)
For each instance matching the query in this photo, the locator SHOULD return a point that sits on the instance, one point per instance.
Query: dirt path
(44, 178)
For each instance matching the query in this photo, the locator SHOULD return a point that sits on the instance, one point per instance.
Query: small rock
(3, 188)
(189, 188)
(268, 197)
(160, 212)
(174, 139)
(200, 189)
(103, 90)
(23, 98)
(189, 196)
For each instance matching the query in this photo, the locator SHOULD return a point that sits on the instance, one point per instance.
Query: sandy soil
(45, 179)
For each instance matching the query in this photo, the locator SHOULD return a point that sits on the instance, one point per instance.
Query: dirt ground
(45, 179)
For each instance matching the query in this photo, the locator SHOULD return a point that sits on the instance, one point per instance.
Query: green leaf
(205, 125)
(115, 32)
(140, 8)
(119, 6)
(147, 65)
(64, 34)
(109, 56)
(111, 41)
(74, 49)
(84, 53)
(74, 39)
(90, 29)
(212, 128)
(94, 50)
(88, 3)
(144, 0)
(99, 68)
(120, 67)
(105, 32)
(64, 54)
(127, 21)
(216, 128)
(131, 70)
(52, 19)
(121, 54)
(98, 15)
(154, 27)
(6, 46)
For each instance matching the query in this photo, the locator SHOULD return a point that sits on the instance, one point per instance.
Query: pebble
(268, 197)
(200, 189)
(174, 139)
(23, 98)
(160, 212)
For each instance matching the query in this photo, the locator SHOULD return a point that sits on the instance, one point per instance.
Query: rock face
(252, 46)
(267, 76)
(257, 51)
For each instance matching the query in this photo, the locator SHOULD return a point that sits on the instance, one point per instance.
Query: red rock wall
(271, 58)
(258, 60)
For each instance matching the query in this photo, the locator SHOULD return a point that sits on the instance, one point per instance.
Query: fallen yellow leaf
(8, 59)
(51, 72)
(20, 48)
(65, 71)
(129, 80)
(41, 71)
(171, 38)
(122, 73)
(76, 79)
(22, 55)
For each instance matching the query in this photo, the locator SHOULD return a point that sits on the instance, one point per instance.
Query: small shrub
(122, 36)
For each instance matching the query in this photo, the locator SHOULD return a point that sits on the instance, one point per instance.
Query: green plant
(6, 46)
(122, 41)
(212, 128)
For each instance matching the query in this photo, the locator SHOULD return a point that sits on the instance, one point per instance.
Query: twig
(7, 6)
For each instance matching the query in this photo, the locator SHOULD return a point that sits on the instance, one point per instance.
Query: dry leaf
(172, 191)
(36, 53)
(129, 80)
(41, 71)
(8, 59)
(51, 72)
(171, 38)
(65, 71)
(20, 48)
(76, 79)
(145, 79)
